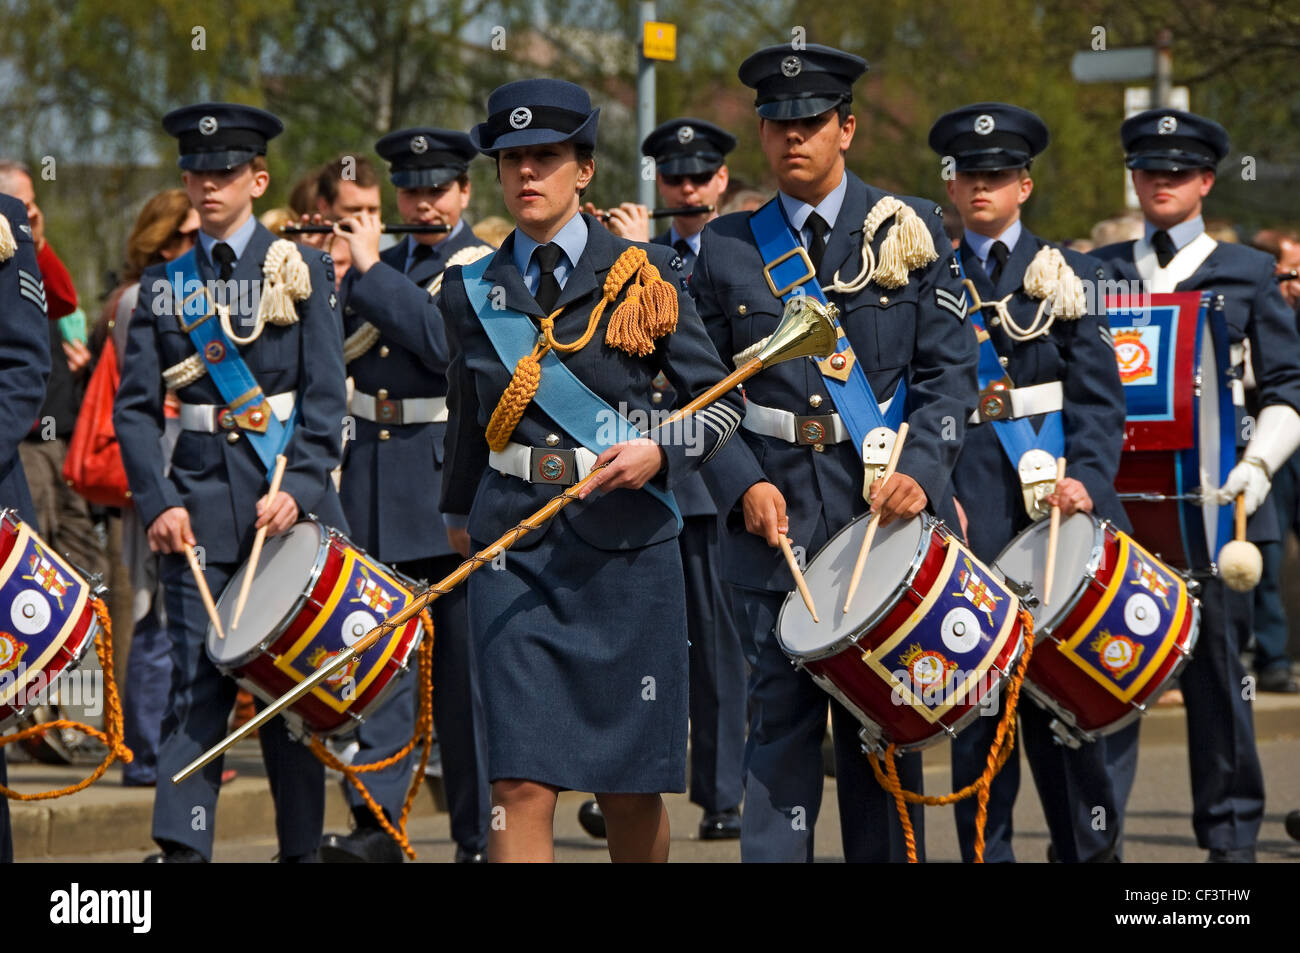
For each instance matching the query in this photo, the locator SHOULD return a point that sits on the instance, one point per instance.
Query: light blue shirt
(412, 245)
(572, 239)
(237, 242)
(981, 245)
(828, 208)
(1180, 234)
(693, 241)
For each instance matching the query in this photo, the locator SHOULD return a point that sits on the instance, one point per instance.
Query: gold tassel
(7, 244)
(1050, 276)
(285, 279)
(514, 401)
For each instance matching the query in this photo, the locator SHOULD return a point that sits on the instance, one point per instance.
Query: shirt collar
(237, 242)
(572, 239)
(692, 240)
(1181, 234)
(981, 245)
(828, 208)
(412, 244)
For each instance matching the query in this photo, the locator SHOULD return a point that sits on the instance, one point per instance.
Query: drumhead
(1024, 561)
(1210, 426)
(895, 550)
(284, 573)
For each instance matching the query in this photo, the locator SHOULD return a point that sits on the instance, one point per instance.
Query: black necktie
(817, 247)
(1164, 246)
(998, 255)
(421, 253)
(548, 288)
(224, 256)
(683, 248)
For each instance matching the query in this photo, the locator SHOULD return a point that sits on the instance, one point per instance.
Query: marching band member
(583, 663)
(906, 326)
(25, 355)
(1062, 397)
(690, 170)
(1173, 156)
(285, 336)
(399, 406)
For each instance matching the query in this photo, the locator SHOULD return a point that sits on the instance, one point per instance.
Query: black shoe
(464, 856)
(311, 857)
(176, 855)
(365, 845)
(1231, 855)
(1278, 679)
(592, 821)
(722, 826)
(1293, 825)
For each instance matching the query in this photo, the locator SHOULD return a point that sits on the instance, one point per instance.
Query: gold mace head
(807, 329)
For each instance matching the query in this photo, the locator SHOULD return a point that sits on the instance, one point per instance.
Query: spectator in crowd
(1222, 230)
(1124, 227)
(1271, 663)
(275, 219)
(63, 517)
(345, 187)
(744, 200)
(302, 197)
(493, 230)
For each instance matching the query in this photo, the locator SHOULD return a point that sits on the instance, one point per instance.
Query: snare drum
(314, 595)
(47, 619)
(1180, 436)
(1121, 625)
(928, 641)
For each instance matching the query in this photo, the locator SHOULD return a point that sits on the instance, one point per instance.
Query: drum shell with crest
(927, 616)
(314, 595)
(47, 619)
(1120, 626)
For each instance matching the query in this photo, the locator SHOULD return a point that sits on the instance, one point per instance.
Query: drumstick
(798, 576)
(1239, 517)
(1053, 533)
(874, 522)
(258, 540)
(204, 591)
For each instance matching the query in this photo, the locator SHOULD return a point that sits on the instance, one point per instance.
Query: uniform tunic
(581, 638)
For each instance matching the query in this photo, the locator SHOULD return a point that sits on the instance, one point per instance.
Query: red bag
(93, 467)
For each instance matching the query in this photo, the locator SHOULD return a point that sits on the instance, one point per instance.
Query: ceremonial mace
(807, 329)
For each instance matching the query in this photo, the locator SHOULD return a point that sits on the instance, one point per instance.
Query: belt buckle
(226, 419)
(557, 467)
(388, 411)
(814, 428)
(796, 252)
(995, 401)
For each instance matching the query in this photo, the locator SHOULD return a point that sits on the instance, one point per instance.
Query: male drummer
(906, 326)
(215, 495)
(1057, 393)
(25, 355)
(1173, 156)
(393, 472)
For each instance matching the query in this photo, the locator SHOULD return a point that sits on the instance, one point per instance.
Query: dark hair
(844, 110)
(362, 175)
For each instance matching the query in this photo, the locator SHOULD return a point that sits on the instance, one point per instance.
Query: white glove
(1276, 438)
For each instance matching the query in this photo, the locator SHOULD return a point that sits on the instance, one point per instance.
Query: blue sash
(1017, 436)
(567, 400)
(238, 387)
(788, 277)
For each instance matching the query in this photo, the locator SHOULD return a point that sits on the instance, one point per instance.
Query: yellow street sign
(660, 41)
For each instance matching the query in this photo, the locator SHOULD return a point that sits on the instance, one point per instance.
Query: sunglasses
(698, 179)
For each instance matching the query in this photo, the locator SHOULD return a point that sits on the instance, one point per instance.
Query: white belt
(410, 410)
(543, 464)
(805, 430)
(206, 418)
(1017, 402)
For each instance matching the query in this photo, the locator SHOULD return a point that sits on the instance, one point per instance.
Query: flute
(671, 212)
(294, 229)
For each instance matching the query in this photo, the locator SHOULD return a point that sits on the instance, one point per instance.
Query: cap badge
(1167, 125)
(521, 118)
(419, 145)
(685, 134)
(208, 125)
(983, 124)
(791, 66)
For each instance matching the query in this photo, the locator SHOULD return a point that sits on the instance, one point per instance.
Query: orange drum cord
(1004, 743)
(423, 731)
(112, 738)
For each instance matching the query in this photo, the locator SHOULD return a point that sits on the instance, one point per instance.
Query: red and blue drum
(47, 619)
(1180, 436)
(316, 594)
(928, 642)
(1119, 628)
